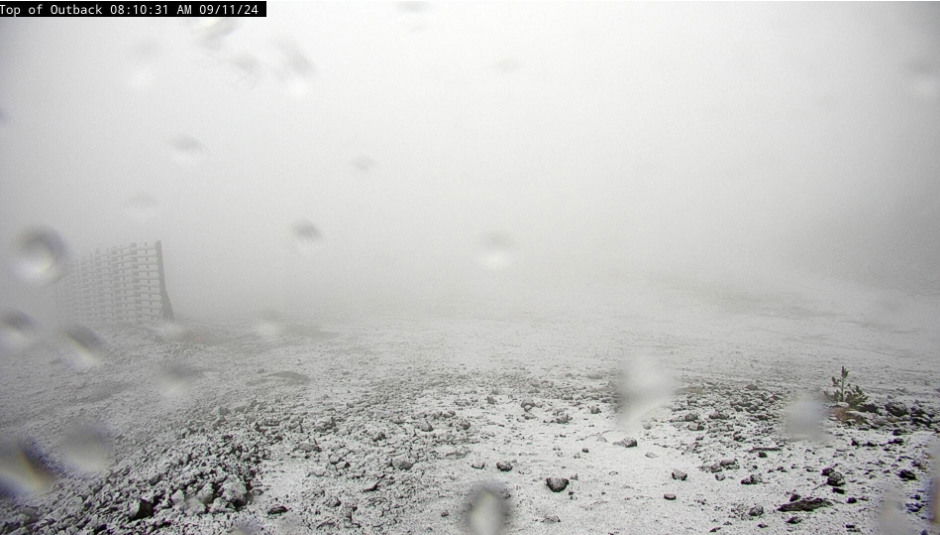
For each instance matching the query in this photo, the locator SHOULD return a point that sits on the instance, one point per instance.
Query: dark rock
(679, 475)
(504, 466)
(752, 479)
(234, 492)
(757, 510)
(794, 520)
(896, 408)
(835, 479)
(140, 509)
(669, 496)
(478, 465)
(425, 426)
(277, 510)
(907, 475)
(557, 484)
(626, 442)
(402, 463)
(805, 504)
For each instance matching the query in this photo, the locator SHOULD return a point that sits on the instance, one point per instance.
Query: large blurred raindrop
(296, 70)
(363, 163)
(269, 326)
(643, 386)
(307, 238)
(247, 66)
(143, 71)
(171, 331)
(87, 449)
(925, 80)
(24, 470)
(83, 348)
(141, 207)
(187, 150)
(176, 380)
(507, 65)
(487, 509)
(892, 516)
(804, 418)
(413, 6)
(17, 331)
(211, 32)
(40, 256)
(496, 252)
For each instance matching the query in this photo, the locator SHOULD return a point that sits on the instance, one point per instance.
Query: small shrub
(847, 393)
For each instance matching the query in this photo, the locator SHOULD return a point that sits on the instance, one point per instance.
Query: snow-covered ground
(436, 424)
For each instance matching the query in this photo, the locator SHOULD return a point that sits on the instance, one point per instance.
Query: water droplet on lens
(171, 331)
(642, 387)
(363, 163)
(803, 419)
(413, 6)
(496, 252)
(892, 517)
(17, 331)
(296, 70)
(87, 449)
(211, 32)
(487, 509)
(141, 207)
(24, 470)
(307, 239)
(176, 380)
(507, 65)
(83, 348)
(925, 80)
(187, 150)
(142, 73)
(40, 256)
(248, 67)
(269, 326)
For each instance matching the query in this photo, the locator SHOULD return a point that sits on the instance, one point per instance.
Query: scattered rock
(277, 510)
(557, 484)
(835, 479)
(627, 442)
(804, 504)
(896, 408)
(752, 479)
(669, 496)
(425, 426)
(234, 492)
(757, 510)
(402, 463)
(504, 466)
(907, 475)
(140, 509)
(679, 475)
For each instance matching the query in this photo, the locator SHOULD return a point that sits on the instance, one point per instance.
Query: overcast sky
(440, 152)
